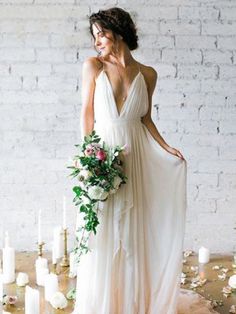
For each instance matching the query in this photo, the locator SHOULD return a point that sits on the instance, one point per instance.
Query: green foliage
(92, 170)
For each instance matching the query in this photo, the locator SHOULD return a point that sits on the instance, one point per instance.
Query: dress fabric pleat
(136, 260)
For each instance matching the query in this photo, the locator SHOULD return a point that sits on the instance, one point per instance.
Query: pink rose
(101, 155)
(88, 151)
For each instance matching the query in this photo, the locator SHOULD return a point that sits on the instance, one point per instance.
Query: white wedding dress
(136, 259)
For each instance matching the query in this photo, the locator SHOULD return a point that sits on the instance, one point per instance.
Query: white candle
(73, 264)
(58, 241)
(41, 267)
(1, 286)
(41, 262)
(8, 258)
(31, 301)
(7, 240)
(203, 255)
(64, 212)
(54, 259)
(40, 276)
(51, 286)
(39, 227)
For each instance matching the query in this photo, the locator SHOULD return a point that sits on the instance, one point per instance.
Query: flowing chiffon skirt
(136, 260)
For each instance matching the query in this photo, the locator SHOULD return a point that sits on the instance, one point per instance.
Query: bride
(135, 262)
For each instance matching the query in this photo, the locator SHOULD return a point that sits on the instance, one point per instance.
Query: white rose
(232, 281)
(58, 301)
(117, 181)
(97, 193)
(84, 175)
(22, 279)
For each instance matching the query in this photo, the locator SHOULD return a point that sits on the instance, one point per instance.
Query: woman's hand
(174, 151)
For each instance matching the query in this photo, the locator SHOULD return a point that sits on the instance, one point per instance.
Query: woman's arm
(89, 71)
(147, 119)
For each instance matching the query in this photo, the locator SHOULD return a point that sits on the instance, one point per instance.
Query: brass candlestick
(54, 268)
(65, 261)
(40, 248)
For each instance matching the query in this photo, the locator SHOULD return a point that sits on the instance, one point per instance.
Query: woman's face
(104, 40)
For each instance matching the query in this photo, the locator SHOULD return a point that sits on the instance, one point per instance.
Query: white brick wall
(191, 44)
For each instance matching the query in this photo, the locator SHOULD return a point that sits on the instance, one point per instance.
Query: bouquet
(98, 169)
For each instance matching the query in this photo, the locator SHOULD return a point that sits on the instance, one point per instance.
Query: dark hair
(119, 22)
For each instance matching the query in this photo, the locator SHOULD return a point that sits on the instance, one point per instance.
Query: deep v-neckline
(119, 113)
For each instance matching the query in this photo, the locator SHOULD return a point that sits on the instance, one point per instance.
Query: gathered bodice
(134, 107)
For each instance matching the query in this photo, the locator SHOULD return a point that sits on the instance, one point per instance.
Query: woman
(135, 261)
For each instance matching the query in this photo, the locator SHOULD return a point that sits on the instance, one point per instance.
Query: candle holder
(65, 261)
(54, 268)
(40, 249)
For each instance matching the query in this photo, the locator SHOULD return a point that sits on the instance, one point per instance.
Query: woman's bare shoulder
(91, 66)
(148, 71)
(150, 75)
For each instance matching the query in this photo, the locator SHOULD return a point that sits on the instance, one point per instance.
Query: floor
(211, 289)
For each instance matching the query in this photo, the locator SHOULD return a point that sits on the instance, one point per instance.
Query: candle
(7, 240)
(8, 257)
(41, 262)
(73, 264)
(201, 271)
(31, 301)
(39, 227)
(58, 242)
(64, 212)
(203, 255)
(40, 276)
(51, 286)
(54, 258)
(41, 266)
(1, 286)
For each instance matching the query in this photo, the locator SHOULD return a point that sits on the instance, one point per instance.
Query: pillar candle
(8, 258)
(31, 301)
(203, 255)
(64, 213)
(41, 267)
(51, 286)
(40, 276)
(41, 262)
(58, 241)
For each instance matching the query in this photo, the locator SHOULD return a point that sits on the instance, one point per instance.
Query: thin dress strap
(139, 67)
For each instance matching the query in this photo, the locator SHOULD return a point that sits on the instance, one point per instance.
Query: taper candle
(54, 258)
(39, 227)
(58, 241)
(64, 212)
